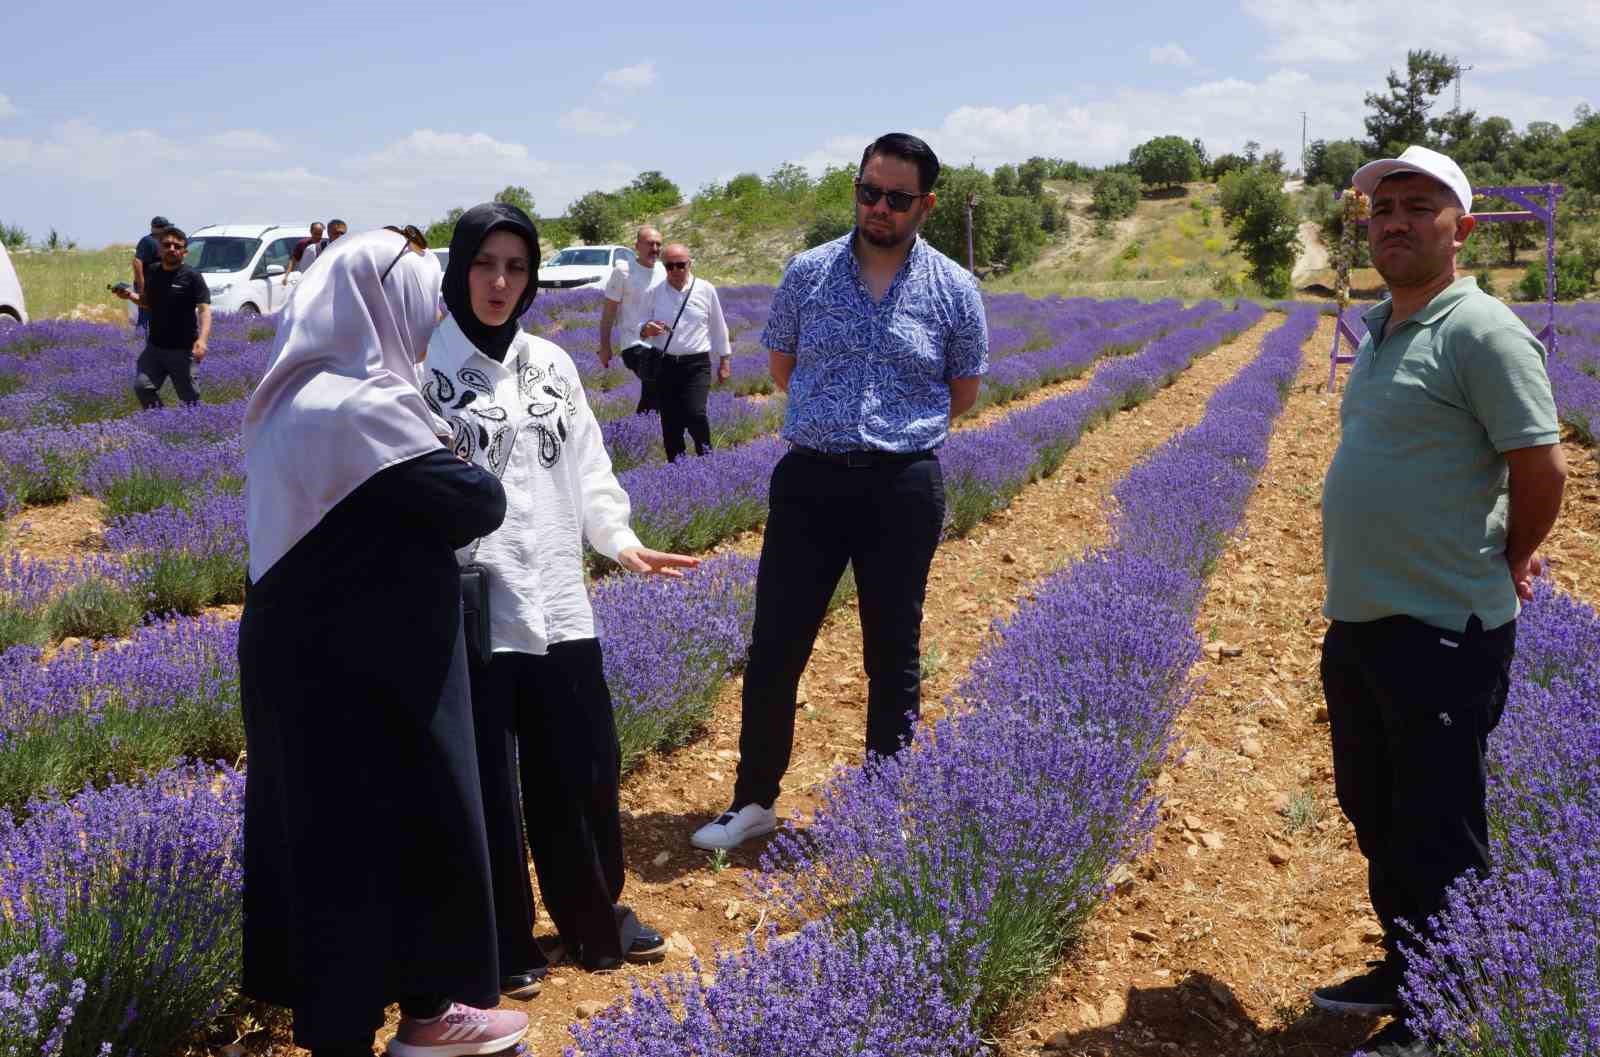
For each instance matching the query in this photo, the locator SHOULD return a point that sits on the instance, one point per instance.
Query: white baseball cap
(1417, 160)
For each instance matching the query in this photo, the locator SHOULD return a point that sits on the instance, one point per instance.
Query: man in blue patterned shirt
(879, 340)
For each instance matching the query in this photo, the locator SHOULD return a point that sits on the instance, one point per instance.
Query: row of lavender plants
(61, 744)
(973, 854)
(1513, 968)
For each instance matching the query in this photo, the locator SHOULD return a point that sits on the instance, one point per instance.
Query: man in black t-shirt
(147, 255)
(179, 303)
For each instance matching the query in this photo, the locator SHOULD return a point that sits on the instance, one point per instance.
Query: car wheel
(247, 309)
(9, 318)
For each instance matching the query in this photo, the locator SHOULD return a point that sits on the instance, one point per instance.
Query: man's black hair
(909, 148)
(341, 223)
(173, 231)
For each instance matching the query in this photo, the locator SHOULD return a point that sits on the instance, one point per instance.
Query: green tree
(790, 182)
(746, 183)
(1116, 194)
(440, 231)
(1005, 179)
(1265, 226)
(12, 236)
(1006, 229)
(836, 190)
(650, 192)
(1399, 115)
(1334, 164)
(1165, 161)
(1227, 163)
(1031, 176)
(825, 227)
(595, 217)
(520, 197)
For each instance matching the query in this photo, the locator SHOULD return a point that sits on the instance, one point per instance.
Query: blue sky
(395, 111)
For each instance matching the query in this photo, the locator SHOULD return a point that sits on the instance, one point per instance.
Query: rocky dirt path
(1253, 891)
(973, 581)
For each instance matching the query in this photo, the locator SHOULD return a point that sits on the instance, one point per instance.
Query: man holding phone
(179, 303)
(683, 319)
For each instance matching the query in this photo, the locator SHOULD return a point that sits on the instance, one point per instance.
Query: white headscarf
(339, 401)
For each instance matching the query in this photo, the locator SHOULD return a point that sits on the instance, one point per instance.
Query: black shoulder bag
(651, 358)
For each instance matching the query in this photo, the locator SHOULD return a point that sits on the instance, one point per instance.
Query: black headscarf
(475, 225)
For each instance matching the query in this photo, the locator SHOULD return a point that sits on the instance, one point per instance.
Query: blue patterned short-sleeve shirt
(875, 375)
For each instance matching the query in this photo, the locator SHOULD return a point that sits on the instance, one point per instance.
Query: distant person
(1447, 477)
(879, 340)
(547, 740)
(147, 254)
(626, 290)
(315, 238)
(683, 319)
(179, 303)
(366, 870)
(336, 229)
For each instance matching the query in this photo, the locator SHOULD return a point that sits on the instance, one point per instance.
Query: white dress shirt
(528, 422)
(701, 329)
(630, 285)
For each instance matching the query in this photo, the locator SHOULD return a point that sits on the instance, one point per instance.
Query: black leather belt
(859, 459)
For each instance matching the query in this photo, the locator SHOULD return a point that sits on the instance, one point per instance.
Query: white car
(12, 310)
(243, 265)
(578, 266)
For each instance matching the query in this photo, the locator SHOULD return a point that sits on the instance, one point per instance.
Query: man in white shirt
(630, 283)
(683, 318)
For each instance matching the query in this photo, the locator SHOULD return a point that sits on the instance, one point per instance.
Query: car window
(583, 256)
(444, 258)
(625, 255)
(217, 253)
(277, 253)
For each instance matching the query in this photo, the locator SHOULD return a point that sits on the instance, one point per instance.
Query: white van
(243, 264)
(12, 310)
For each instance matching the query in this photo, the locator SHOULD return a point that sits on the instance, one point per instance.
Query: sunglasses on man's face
(415, 240)
(899, 201)
(673, 266)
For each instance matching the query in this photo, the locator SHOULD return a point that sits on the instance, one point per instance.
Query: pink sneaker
(461, 1031)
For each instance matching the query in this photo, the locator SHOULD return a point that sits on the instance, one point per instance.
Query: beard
(886, 240)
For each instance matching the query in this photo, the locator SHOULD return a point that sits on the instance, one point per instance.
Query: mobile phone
(114, 287)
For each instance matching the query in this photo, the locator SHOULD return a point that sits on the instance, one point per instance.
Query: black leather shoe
(1374, 993)
(648, 947)
(523, 986)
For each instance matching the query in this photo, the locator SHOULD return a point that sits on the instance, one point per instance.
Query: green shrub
(1115, 195)
(94, 609)
(1574, 278)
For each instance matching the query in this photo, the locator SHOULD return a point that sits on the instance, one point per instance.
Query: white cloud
(587, 122)
(104, 177)
(1490, 35)
(641, 75)
(7, 107)
(1171, 55)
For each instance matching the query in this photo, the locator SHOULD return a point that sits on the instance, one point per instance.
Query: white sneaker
(733, 828)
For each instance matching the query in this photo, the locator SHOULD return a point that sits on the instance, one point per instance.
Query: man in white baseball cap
(1447, 478)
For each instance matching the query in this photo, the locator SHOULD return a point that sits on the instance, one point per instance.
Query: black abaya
(366, 863)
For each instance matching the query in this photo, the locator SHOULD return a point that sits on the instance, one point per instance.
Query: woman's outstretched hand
(660, 563)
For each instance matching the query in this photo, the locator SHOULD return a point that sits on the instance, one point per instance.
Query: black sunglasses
(899, 201)
(673, 266)
(415, 240)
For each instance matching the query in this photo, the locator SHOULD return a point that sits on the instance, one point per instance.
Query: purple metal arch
(1533, 210)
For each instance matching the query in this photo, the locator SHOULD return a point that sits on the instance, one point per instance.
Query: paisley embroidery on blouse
(546, 391)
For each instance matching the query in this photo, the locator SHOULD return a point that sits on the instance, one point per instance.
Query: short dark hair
(172, 231)
(341, 223)
(905, 146)
(316, 224)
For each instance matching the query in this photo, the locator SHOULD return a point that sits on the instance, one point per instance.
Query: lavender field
(926, 898)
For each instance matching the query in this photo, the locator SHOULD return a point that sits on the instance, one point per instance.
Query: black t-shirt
(172, 297)
(148, 251)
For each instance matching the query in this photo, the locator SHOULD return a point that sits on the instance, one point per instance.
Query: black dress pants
(681, 391)
(884, 518)
(647, 389)
(1410, 709)
(551, 770)
(155, 366)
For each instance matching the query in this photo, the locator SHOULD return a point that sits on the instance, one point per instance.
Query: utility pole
(1302, 143)
(1459, 68)
(972, 198)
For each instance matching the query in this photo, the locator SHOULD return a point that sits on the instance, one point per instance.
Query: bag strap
(673, 332)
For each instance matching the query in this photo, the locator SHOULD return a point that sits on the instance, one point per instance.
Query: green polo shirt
(1415, 504)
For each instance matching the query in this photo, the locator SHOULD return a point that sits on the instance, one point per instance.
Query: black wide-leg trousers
(551, 771)
(883, 518)
(1410, 709)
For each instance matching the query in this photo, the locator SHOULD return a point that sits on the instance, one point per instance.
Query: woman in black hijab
(542, 711)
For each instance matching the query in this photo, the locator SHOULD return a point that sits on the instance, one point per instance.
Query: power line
(1459, 69)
